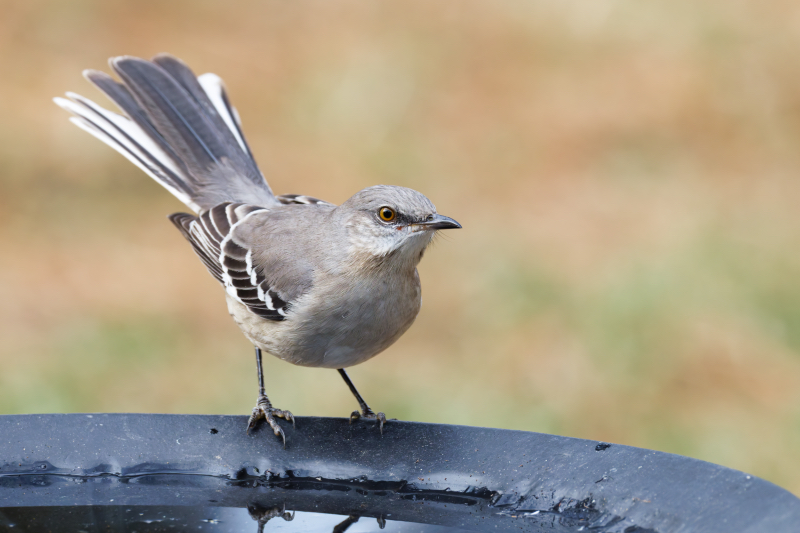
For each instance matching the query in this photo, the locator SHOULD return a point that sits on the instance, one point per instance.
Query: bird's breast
(347, 321)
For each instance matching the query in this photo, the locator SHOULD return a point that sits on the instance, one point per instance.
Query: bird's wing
(301, 199)
(229, 256)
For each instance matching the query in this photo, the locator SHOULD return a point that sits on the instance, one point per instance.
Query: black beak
(438, 222)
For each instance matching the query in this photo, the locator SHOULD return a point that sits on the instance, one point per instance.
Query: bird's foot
(369, 414)
(263, 515)
(264, 410)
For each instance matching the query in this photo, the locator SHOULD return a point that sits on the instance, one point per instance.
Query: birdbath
(147, 473)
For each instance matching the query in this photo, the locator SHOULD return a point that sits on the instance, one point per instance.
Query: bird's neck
(400, 261)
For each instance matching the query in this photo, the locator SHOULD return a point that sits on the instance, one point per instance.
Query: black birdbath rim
(471, 478)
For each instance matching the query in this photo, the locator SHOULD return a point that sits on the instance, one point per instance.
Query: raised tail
(180, 129)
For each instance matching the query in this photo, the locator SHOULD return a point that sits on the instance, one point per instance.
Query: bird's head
(388, 220)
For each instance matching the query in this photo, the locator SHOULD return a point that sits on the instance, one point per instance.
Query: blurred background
(627, 175)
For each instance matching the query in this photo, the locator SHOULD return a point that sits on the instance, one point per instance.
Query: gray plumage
(309, 282)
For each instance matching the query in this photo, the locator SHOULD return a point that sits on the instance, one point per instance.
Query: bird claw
(264, 410)
(369, 414)
(263, 515)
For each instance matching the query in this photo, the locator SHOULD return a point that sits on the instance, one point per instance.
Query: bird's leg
(366, 412)
(264, 409)
(342, 526)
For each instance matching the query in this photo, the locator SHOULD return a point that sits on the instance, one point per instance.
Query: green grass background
(627, 174)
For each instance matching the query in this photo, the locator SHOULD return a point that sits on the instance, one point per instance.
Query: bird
(309, 282)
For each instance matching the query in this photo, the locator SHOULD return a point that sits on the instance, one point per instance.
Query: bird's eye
(387, 214)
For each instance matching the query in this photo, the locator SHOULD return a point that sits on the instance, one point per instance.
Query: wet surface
(247, 502)
(142, 473)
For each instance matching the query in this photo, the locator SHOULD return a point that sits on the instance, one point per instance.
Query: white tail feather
(131, 129)
(117, 132)
(214, 88)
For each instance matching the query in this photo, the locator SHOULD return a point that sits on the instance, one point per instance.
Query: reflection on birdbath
(342, 526)
(262, 515)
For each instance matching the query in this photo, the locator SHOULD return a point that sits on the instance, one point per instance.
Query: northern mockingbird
(309, 282)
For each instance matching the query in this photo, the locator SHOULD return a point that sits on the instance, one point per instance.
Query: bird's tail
(180, 129)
